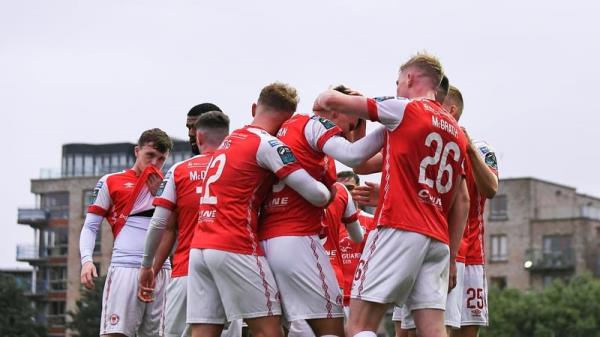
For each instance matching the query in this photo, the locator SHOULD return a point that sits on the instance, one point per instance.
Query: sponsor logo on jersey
(383, 98)
(275, 142)
(326, 123)
(129, 185)
(282, 132)
(430, 199)
(96, 190)
(490, 160)
(286, 154)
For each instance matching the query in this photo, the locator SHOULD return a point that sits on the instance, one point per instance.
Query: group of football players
(264, 233)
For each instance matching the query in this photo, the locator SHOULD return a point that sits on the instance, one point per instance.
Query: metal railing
(30, 252)
(539, 260)
(33, 216)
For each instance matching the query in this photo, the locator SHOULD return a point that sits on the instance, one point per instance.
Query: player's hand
(317, 107)
(367, 195)
(88, 274)
(153, 183)
(146, 285)
(452, 276)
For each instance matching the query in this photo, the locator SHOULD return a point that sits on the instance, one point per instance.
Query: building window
(499, 208)
(499, 248)
(56, 313)
(557, 250)
(498, 282)
(58, 278)
(57, 241)
(57, 204)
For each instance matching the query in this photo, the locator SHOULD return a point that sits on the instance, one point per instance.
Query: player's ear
(199, 138)
(136, 150)
(253, 109)
(409, 79)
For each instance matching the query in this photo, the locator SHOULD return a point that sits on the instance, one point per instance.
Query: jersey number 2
(441, 156)
(220, 161)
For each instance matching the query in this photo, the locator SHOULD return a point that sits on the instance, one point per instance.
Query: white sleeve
(102, 201)
(354, 154)
(276, 157)
(87, 238)
(310, 189)
(155, 231)
(487, 153)
(355, 231)
(389, 110)
(318, 131)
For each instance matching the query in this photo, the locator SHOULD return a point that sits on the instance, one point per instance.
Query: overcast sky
(103, 71)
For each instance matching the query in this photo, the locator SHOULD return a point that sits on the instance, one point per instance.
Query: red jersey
(344, 254)
(238, 179)
(423, 158)
(286, 212)
(180, 190)
(471, 250)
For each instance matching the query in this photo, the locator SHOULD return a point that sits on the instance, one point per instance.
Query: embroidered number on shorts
(220, 161)
(359, 270)
(441, 156)
(475, 294)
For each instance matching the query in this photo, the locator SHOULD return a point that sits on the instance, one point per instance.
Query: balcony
(35, 217)
(537, 260)
(40, 290)
(31, 253)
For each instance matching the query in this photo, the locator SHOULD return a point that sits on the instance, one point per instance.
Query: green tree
(85, 322)
(16, 312)
(562, 309)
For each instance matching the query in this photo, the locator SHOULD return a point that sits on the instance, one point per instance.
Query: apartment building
(57, 218)
(537, 231)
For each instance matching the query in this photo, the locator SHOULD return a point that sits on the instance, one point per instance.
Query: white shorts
(452, 316)
(175, 312)
(474, 301)
(123, 313)
(305, 277)
(401, 267)
(225, 286)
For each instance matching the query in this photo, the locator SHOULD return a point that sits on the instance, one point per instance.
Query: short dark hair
(159, 139)
(349, 174)
(202, 108)
(442, 90)
(212, 120)
(343, 89)
(279, 96)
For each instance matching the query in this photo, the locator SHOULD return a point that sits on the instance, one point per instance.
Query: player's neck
(266, 123)
(423, 93)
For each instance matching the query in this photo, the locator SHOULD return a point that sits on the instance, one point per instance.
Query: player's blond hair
(428, 65)
(279, 96)
(456, 97)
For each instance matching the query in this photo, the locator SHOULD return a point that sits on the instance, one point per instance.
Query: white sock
(366, 334)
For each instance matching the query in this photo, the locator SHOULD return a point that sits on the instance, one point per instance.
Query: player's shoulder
(321, 122)
(483, 146)
(487, 152)
(391, 99)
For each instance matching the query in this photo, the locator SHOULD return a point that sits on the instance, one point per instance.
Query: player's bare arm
(485, 179)
(457, 218)
(346, 104)
(372, 165)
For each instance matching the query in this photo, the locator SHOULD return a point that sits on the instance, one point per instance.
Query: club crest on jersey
(286, 154)
(383, 98)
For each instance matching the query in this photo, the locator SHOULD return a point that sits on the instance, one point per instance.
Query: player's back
(286, 212)
(180, 191)
(423, 157)
(233, 190)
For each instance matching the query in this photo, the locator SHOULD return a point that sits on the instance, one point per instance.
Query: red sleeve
(287, 170)
(352, 218)
(95, 209)
(372, 110)
(327, 136)
(164, 203)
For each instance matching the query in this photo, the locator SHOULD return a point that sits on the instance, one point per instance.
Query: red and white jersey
(285, 212)
(111, 197)
(344, 254)
(238, 179)
(423, 158)
(180, 191)
(471, 250)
